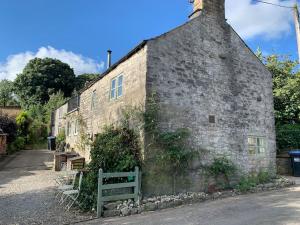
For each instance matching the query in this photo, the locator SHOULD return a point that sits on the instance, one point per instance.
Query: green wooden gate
(101, 187)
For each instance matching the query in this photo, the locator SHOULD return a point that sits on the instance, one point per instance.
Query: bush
(17, 145)
(61, 139)
(23, 121)
(37, 132)
(248, 182)
(222, 168)
(9, 127)
(288, 137)
(114, 150)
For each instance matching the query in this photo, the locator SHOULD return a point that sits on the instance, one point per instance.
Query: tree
(83, 79)
(286, 88)
(7, 97)
(42, 78)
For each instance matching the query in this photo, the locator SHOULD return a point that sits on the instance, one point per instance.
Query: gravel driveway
(27, 190)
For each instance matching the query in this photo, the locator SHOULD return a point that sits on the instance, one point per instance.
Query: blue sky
(79, 32)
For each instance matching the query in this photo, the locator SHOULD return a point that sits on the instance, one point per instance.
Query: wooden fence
(101, 187)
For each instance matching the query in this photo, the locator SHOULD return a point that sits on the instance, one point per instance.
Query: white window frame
(60, 113)
(76, 127)
(93, 100)
(69, 128)
(115, 91)
(256, 145)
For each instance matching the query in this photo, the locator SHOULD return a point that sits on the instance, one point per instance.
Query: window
(93, 101)
(256, 145)
(60, 113)
(76, 128)
(120, 86)
(69, 129)
(116, 87)
(212, 119)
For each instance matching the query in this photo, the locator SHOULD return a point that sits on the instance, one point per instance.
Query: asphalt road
(27, 198)
(269, 208)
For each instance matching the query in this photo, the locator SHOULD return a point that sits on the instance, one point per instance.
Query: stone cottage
(206, 79)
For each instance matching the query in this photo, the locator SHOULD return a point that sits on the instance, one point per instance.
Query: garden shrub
(248, 182)
(17, 145)
(61, 139)
(288, 137)
(114, 150)
(38, 132)
(9, 127)
(23, 121)
(222, 167)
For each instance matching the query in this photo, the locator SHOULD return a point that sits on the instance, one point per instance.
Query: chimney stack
(109, 58)
(210, 8)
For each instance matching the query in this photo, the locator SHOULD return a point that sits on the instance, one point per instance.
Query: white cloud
(260, 20)
(15, 63)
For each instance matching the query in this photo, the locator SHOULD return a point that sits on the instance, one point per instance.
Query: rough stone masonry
(207, 80)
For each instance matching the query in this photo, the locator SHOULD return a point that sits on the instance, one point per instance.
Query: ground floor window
(76, 128)
(256, 145)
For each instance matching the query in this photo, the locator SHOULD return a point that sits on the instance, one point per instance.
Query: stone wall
(107, 111)
(59, 119)
(10, 111)
(209, 81)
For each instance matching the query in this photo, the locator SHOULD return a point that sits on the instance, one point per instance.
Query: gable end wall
(203, 68)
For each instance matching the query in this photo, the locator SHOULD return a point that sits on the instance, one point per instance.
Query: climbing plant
(173, 154)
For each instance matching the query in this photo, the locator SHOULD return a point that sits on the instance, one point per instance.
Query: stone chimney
(209, 8)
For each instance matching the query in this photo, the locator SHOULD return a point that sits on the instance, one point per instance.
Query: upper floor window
(93, 100)
(116, 87)
(256, 145)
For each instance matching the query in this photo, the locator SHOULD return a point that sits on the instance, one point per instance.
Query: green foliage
(83, 79)
(61, 137)
(9, 127)
(222, 168)
(173, 155)
(114, 150)
(288, 137)
(38, 132)
(41, 78)
(248, 182)
(17, 145)
(150, 116)
(37, 112)
(7, 97)
(39, 128)
(23, 121)
(34, 131)
(56, 100)
(286, 85)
